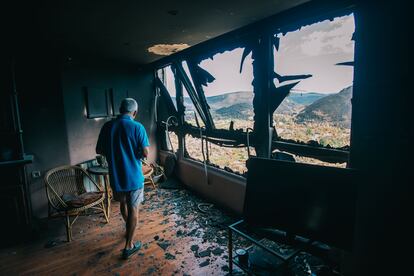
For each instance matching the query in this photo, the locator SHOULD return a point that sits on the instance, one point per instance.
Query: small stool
(101, 171)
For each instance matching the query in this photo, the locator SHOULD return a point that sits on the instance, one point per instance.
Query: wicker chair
(147, 171)
(69, 180)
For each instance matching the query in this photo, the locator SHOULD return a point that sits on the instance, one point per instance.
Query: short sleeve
(142, 137)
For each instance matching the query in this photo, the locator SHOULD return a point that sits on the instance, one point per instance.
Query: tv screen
(311, 201)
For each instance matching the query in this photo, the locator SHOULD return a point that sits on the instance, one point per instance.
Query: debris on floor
(181, 234)
(53, 243)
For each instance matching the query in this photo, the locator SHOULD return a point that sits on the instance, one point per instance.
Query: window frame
(244, 39)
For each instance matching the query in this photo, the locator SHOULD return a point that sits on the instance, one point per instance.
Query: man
(124, 142)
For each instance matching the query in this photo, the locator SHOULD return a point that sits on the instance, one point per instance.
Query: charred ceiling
(124, 32)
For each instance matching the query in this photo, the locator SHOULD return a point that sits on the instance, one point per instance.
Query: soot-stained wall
(43, 121)
(382, 136)
(56, 130)
(83, 132)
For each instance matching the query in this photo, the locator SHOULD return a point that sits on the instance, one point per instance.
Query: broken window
(225, 95)
(173, 141)
(190, 113)
(193, 148)
(318, 108)
(231, 159)
(230, 94)
(187, 72)
(312, 74)
(166, 75)
(167, 99)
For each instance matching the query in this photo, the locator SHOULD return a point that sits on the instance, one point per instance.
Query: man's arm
(145, 152)
(143, 143)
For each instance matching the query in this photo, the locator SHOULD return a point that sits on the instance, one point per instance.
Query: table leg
(230, 246)
(107, 194)
(98, 180)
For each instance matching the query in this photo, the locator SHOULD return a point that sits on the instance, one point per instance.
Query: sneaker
(126, 253)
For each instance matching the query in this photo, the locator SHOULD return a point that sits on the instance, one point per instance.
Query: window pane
(319, 107)
(173, 141)
(187, 71)
(193, 148)
(230, 95)
(230, 159)
(166, 75)
(190, 112)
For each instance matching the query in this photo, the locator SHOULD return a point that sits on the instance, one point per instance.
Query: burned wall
(382, 137)
(43, 121)
(56, 130)
(83, 132)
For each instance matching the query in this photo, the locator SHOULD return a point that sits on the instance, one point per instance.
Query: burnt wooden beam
(263, 62)
(346, 63)
(281, 78)
(182, 76)
(166, 96)
(320, 153)
(238, 139)
(278, 94)
(180, 110)
(195, 72)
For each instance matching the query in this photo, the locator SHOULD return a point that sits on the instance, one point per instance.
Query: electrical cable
(207, 206)
(168, 133)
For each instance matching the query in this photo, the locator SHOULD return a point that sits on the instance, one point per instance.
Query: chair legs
(68, 228)
(104, 210)
(152, 181)
(68, 225)
(148, 179)
(108, 195)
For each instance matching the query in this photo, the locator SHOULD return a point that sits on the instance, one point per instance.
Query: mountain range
(334, 108)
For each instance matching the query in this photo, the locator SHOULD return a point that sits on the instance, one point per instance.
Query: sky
(314, 49)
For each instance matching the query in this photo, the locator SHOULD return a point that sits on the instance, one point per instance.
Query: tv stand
(273, 251)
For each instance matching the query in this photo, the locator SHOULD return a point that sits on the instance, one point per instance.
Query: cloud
(336, 38)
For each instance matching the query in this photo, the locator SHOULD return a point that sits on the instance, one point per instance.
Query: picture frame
(97, 102)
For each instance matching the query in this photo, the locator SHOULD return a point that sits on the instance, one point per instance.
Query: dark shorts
(132, 198)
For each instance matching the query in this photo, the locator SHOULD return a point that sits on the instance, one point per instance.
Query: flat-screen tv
(310, 201)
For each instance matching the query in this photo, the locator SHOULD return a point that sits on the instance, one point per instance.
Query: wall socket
(35, 174)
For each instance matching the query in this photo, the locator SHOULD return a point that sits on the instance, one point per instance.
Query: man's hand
(145, 152)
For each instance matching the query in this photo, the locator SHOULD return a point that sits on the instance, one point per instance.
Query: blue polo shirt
(122, 141)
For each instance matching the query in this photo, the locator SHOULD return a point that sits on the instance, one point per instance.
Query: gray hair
(128, 105)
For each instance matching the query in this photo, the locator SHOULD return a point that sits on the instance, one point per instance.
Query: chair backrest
(64, 180)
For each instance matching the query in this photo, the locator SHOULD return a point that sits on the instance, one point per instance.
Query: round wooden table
(101, 171)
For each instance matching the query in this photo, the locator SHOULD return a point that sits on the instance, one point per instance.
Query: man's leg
(132, 219)
(123, 208)
(121, 198)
